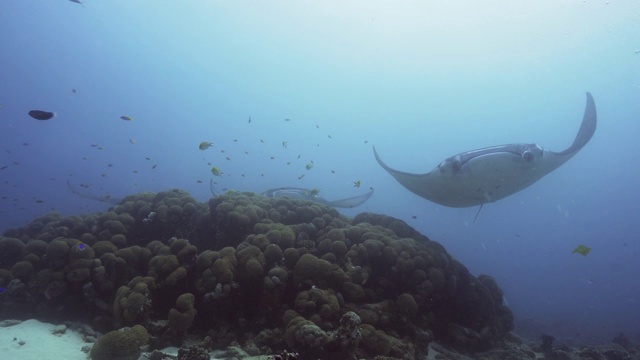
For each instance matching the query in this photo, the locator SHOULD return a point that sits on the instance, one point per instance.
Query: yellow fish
(215, 171)
(309, 166)
(127, 118)
(205, 145)
(356, 184)
(582, 250)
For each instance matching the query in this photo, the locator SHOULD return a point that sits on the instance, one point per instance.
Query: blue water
(420, 80)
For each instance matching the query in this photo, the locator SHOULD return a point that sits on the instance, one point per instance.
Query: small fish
(215, 171)
(205, 145)
(284, 144)
(414, 217)
(366, 141)
(299, 156)
(73, 90)
(132, 141)
(262, 141)
(147, 158)
(300, 177)
(235, 140)
(582, 250)
(329, 136)
(228, 158)
(199, 181)
(287, 119)
(94, 145)
(77, 2)
(273, 157)
(249, 119)
(356, 183)
(41, 114)
(126, 118)
(309, 166)
(4, 167)
(154, 166)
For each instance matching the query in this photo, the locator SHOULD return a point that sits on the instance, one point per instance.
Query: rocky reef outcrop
(288, 274)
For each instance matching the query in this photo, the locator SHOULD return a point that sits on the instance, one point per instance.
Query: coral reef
(291, 275)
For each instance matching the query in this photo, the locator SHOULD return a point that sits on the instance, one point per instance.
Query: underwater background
(276, 86)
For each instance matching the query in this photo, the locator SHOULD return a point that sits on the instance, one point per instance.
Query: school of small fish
(212, 160)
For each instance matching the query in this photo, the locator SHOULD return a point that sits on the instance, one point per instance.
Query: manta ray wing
(87, 195)
(489, 174)
(352, 201)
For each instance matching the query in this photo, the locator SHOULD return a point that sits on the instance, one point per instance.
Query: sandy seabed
(35, 340)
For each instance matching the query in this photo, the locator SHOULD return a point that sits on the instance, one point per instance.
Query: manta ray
(307, 194)
(489, 174)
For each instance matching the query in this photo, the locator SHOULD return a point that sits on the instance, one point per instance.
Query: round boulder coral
(181, 316)
(123, 344)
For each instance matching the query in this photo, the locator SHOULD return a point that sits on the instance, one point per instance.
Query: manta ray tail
(478, 213)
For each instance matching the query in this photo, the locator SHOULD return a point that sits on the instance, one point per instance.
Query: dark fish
(41, 115)
(77, 2)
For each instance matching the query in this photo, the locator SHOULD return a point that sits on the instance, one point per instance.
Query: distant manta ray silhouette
(489, 174)
(307, 194)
